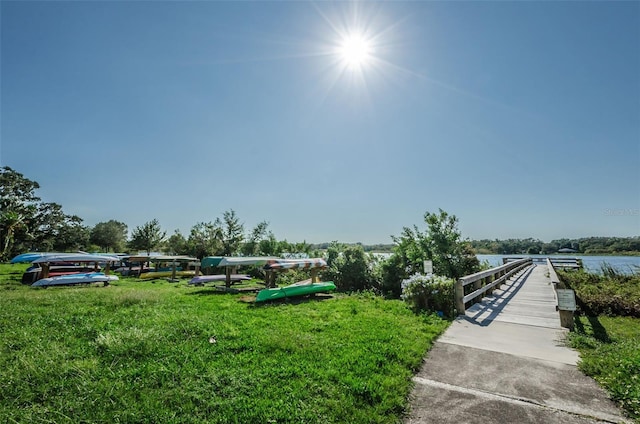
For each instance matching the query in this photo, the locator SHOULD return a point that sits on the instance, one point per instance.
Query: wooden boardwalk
(506, 361)
(516, 318)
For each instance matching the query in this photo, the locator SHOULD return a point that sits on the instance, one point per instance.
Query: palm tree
(10, 222)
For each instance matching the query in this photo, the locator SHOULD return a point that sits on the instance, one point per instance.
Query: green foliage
(148, 237)
(610, 353)
(143, 352)
(430, 293)
(441, 243)
(177, 244)
(110, 235)
(204, 240)
(350, 268)
(392, 270)
(611, 294)
(232, 232)
(252, 245)
(26, 223)
(586, 245)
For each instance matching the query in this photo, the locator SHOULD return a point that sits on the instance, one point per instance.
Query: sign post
(566, 306)
(428, 267)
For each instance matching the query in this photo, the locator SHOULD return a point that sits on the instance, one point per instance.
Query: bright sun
(355, 51)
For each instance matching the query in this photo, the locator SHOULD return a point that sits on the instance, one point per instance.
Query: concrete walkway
(505, 362)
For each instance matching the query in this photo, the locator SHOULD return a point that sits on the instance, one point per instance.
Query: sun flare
(355, 51)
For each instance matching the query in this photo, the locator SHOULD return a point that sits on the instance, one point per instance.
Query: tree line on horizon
(29, 224)
(585, 245)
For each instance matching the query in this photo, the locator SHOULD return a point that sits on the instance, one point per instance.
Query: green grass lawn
(166, 352)
(607, 333)
(610, 353)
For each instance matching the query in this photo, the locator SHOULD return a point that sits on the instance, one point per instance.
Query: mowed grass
(610, 353)
(163, 352)
(607, 332)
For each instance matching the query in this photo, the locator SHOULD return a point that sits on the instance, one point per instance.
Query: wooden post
(227, 282)
(488, 281)
(45, 270)
(566, 319)
(106, 268)
(314, 275)
(173, 270)
(476, 286)
(459, 297)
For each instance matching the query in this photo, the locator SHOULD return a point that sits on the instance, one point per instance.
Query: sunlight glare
(355, 51)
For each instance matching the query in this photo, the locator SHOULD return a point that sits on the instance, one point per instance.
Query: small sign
(428, 267)
(566, 300)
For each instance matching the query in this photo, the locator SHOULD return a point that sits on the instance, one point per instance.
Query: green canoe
(294, 290)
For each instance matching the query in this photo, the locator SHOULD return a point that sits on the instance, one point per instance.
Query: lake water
(623, 264)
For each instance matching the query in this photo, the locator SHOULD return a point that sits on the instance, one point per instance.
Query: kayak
(297, 289)
(71, 279)
(163, 274)
(200, 280)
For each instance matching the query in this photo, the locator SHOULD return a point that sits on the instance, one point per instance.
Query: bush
(612, 294)
(429, 293)
(351, 269)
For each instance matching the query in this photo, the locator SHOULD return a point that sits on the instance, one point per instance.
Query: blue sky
(521, 118)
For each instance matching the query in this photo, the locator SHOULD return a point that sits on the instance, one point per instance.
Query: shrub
(429, 293)
(351, 269)
(612, 294)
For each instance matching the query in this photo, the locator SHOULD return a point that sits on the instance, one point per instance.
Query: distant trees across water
(586, 246)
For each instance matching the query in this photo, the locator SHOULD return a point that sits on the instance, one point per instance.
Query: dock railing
(484, 282)
(557, 261)
(565, 311)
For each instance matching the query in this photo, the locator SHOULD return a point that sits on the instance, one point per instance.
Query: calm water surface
(623, 264)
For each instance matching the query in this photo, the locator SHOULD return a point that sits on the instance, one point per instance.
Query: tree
(10, 223)
(18, 206)
(205, 239)
(252, 246)
(26, 223)
(350, 268)
(452, 256)
(232, 232)
(147, 237)
(177, 244)
(71, 235)
(270, 246)
(109, 235)
(441, 243)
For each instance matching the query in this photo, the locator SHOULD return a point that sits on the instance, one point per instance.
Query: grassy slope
(161, 352)
(609, 344)
(610, 352)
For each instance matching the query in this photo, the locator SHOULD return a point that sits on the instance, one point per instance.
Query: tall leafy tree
(71, 235)
(18, 206)
(110, 235)
(177, 244)
(270, 246)
(205, 239)
(232, 231)
(441, 243)
(251, 246)
(148, 236)
(10, 223)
